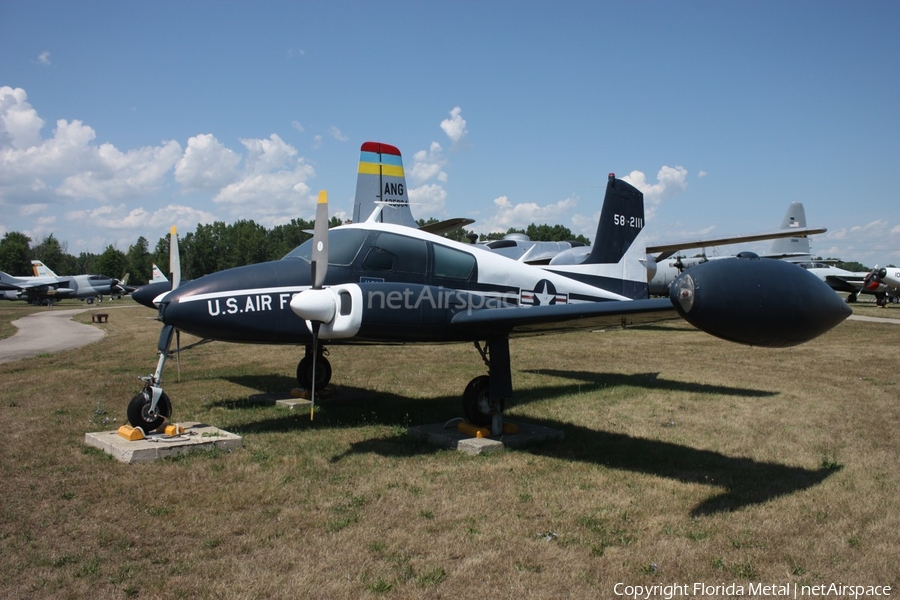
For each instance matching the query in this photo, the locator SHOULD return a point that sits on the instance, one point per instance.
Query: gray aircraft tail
(794, 218)
(381, 181)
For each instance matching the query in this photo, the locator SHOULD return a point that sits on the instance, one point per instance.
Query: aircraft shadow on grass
(746, 481)
(643, 380)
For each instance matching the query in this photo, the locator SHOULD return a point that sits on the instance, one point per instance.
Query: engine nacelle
(338, 308)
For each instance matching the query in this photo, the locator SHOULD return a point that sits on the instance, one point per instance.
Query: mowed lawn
(686, 459)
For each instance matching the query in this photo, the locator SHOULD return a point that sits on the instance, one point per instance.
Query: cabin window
(452, 263)
(343, 246)
(398, 253)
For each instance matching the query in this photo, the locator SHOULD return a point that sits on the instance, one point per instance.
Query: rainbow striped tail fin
(381, 184)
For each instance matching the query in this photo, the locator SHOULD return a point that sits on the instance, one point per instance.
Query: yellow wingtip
(323, 197)
(172, 231)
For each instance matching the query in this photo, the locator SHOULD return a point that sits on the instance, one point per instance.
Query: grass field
(686, 459)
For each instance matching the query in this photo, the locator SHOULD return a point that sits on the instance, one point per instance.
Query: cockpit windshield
(343, 246)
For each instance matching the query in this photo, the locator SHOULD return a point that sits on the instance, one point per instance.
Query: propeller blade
(174, 259)
(315, 353)
(320, 242)
(319, 265)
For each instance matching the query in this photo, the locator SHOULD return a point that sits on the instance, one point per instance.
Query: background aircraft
(159, 284)
(37, 290)
(48, 287)
(383, 283)
(884, 283)
(87, 287)
(790, 242)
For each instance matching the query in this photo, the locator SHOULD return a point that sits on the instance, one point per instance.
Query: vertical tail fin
(174, 259)
(381, 179)
(621, 220)
(158, 276)
(617, 261)
(794, 217)
(41, 270)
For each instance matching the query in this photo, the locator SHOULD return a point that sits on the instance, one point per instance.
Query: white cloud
(266, 155)
(428, 164)
(428, 201)
(298, 126)
(44, 58)
(20, 125)
(68, 164)
(206, 164)
(337, 134)
(670, 181)
(273, 188)
(521, 215)
(455, 126)
(120, 217)
(113, 175)
(267, 183)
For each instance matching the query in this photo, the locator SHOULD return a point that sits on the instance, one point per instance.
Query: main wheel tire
(305, 372)
(477, 401)
(139, 411)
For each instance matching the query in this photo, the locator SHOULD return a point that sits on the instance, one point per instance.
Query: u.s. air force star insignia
(543, 294)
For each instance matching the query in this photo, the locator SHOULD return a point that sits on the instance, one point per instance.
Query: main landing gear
(485, 397)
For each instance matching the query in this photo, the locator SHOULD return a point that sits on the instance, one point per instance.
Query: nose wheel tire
(305, 374)
(139, 411)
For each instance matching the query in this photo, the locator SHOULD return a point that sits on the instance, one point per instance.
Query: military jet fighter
(383, 283)
(47, 287)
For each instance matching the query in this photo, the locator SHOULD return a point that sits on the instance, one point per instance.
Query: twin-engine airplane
(378, 282)
(884, 283)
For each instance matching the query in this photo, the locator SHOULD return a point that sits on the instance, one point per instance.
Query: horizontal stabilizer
(447, 225)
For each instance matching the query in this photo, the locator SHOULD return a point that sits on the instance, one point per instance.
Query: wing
(667, 250)
(557, 318)
(842, 284)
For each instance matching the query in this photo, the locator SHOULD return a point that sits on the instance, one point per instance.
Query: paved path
(874, 319)
(47, 331)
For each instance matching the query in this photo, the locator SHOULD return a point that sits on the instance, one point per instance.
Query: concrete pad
(198, 436)
(297, 398)
(292, 403)
(436, 435)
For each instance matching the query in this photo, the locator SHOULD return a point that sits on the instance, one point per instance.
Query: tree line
(209, 248)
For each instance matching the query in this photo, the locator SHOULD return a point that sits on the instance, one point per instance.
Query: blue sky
(119, 119)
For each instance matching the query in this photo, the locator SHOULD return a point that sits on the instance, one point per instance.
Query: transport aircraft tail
(794, 218)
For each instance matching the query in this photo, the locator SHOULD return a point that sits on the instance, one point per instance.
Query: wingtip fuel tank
(759, 302)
